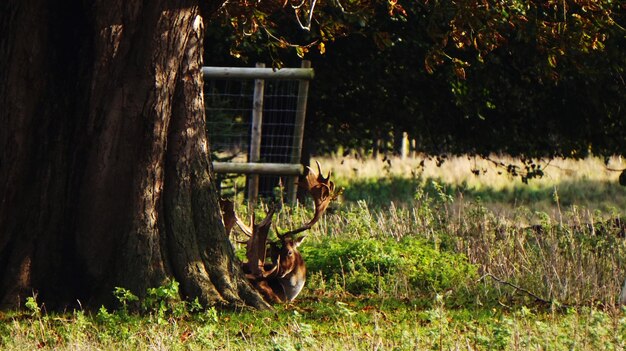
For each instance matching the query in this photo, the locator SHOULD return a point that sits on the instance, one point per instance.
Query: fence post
(255, 138)
(298, 133)
(405, 147)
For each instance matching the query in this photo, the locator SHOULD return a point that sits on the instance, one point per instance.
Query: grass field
(588, 183)
(411, 258)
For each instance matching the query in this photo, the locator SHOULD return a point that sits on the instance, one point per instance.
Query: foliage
(374, 265)
(509, 80)
(32, 305)
(535, 79)
(269, 29)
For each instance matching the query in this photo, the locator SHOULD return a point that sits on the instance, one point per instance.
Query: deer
(281, 279)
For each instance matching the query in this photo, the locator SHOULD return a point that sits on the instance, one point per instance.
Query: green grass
(324, 322)
(601, 195)
(429, 260)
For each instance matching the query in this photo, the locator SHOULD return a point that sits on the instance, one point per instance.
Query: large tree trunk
(105, 177)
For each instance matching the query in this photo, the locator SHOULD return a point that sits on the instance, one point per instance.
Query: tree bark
(105, 176)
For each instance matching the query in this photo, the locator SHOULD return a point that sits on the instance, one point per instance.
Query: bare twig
(296, 9)
(517, 287)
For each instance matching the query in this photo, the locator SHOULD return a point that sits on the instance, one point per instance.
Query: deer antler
(255, 247)
(257, 238)
(322, 190)
(229, 217)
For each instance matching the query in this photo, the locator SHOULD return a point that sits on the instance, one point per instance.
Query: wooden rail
(281, 169)
(257, 73)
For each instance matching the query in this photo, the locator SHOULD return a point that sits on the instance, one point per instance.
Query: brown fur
(284, 278)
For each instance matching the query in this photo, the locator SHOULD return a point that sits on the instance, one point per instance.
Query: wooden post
(404, 148)
(298, 133)
(255, 138)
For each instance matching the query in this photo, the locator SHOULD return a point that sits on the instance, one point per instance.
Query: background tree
(533, 79)
(105, 178)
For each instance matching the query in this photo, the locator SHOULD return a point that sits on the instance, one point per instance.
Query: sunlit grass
(326, 323)
(588, 183)
(412, 258)
(458, 169)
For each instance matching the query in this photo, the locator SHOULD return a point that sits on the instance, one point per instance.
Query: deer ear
(298, 240)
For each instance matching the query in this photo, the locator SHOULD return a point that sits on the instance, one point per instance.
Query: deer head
(283, 278)
(290, 269)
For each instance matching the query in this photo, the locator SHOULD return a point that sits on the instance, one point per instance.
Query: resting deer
(290, 271)
(283, 278)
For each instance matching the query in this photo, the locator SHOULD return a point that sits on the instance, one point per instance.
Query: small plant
(32, 305)
(164, 300)
(125, 297)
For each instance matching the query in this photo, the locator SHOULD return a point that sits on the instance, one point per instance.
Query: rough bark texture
(105, 175)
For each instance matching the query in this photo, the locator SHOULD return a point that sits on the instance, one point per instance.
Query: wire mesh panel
(279, 111)
(279, 108)
(229, 108)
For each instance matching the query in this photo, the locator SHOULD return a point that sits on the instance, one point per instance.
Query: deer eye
(290, 252)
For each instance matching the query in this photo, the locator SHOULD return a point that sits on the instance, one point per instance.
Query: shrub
(363, 266)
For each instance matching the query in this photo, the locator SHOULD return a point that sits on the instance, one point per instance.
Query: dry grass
(588, 183)
(458, 169)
